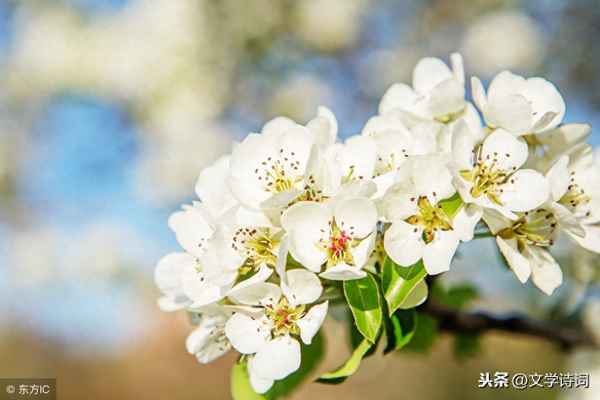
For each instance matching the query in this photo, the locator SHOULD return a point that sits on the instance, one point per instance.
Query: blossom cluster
(293, 210)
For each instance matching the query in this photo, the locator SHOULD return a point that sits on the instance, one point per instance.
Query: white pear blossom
(575, 184)
(395, 143)
(269, 169)
(547, 147)
(488, 174)
(193, 227)
(519, 105)
(181, 279)
(438, 92)
(420, 227)
(208, 341)
(412, 186)
(339, 234)
(269, 332)
(524, 242)
(212, 188)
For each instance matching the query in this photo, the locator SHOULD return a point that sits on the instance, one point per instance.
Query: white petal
(192, 229)
(261, 293)
(403, 243)
(246, 334)
(245, 217)
(516, 261)
(213, 190)
(343, 272)
(277, 126)
(282, 257)
(278, 358)
(505, 84)
(566, 220)
(478, 93)
(458, 69)
(545, 271)
(544, 97)
(358, 157)
(398, 96)
(199, 289)
(495, 220)
(258, 383)
(465, 220)
(438, 254)
(526, 190)
(512, 112)
(428, 73)
(591, 240)
(324, 127)
(558, 177)
(545, 122)
(416, 297)
(311, 323)
(248, 156)
(169, 270)
(260, 276)
(212, 351)
(169, 304)
(565, 136)
(447, 97)
(302, 287)
(202, 342)
(363, 251)
(399, 202)
(307, 223)
(357, 216)
(197, 339)
(463, 143)
(504, 150)
(432, 177)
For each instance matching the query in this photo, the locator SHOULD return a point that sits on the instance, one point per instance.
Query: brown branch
(451, 320)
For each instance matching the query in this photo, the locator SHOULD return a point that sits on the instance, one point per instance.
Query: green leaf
(399, 282)
(356, 338)
(424, 335)
(240, 384)
(362, 296)
(400, 329)
(311, 357)
(451, 205)
(349, 367)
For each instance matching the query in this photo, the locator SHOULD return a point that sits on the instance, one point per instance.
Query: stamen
(431, 218)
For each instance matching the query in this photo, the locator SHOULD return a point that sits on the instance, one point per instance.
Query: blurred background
(110, 108)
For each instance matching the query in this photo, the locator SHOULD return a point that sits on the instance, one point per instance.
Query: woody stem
(568, 337)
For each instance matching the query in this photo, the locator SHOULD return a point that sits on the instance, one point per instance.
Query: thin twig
(463, 322)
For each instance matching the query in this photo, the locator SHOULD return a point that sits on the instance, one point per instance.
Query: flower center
(532, 228)
(389, 163)
(431, 218)
(284, 317)
(338, 245)
(281, 173)
(487, 178)
(257, 245)
(310, 192)
(575, 195)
